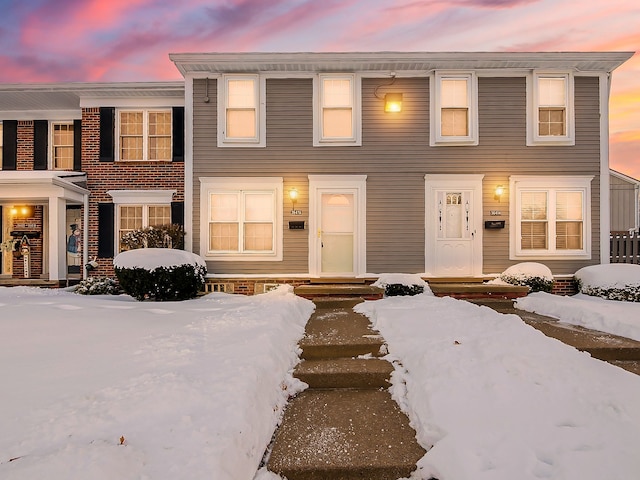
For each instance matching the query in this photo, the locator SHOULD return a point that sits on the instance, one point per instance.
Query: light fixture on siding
(392, 101)
(293, 195)
(499, 192)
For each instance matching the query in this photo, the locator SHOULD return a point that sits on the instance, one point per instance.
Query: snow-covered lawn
(196, 388)
(500, 401)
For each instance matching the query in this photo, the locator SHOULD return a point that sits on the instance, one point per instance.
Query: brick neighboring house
(297, 169)
(80, 165)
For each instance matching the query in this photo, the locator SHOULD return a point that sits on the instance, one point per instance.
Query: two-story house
(321, 165)
(81, 164)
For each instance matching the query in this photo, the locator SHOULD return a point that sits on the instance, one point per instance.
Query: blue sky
(129, 40)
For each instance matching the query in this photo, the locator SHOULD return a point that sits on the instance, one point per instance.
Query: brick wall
(565, 286)
(104, 176)
(24, 159)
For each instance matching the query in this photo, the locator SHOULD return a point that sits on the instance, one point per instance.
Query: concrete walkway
(619, 351)
(346, 425)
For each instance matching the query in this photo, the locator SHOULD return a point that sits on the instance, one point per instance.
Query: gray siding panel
(623, 204)
(395, 155)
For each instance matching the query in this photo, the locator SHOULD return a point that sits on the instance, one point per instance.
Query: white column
(57, 243)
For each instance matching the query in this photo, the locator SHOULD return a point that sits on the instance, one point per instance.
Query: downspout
(605, 197)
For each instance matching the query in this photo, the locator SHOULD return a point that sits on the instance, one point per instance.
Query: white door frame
(355, 184)
(471, 182)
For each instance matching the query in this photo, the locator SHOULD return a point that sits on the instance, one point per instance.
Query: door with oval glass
(454, 243)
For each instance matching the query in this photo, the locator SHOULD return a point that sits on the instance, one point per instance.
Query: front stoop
(478, 290)
(344, 290)
(345, 426)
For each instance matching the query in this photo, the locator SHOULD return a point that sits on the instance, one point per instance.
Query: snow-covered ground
(616, 317)
(195, 389)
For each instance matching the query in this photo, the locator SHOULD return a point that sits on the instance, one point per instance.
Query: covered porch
(44, 218)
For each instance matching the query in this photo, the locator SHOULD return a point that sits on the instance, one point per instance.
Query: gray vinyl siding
(395, 155)
(623, 204)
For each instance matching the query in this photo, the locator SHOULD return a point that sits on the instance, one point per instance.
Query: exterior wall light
(393, 102)
(293, 195)
(499, 192)
(24, 211)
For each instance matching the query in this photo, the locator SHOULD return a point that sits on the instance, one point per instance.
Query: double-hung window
(241, 219)
(144, 135)
(136, 209)
(550, 109)
(62, 145)
(337, 110)
(551, 217)
(241, 111)
(454, 114)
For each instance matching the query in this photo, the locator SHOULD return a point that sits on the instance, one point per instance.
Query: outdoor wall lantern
(393, 102)
(293, 195)
(499, 192)
(24, 211)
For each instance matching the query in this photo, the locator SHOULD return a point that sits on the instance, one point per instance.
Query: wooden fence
(625, 247)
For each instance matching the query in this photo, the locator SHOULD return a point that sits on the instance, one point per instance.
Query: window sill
(243, 258)
(551, 256)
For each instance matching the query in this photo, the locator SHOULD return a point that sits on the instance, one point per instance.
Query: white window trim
(261, 112)
(134, 198)
(145, 133)
(234, 184)
(548, 183)
(356, 119)
(51, 152)
(436, 138)
(533, 138)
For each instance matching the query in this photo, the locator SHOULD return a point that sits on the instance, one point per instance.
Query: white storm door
(337, 233)
(337, 225)
(454, 219)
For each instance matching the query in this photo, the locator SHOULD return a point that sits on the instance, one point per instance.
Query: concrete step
(478, 290)
(345, 373)
(339, 290)
(344, 435)
(339, 332)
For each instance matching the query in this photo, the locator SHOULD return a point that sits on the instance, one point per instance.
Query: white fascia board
(132, 102)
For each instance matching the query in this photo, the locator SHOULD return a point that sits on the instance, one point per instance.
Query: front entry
(453, 244)
(337, 225)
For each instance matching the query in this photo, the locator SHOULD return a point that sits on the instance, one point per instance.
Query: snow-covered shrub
(161, 236)
(98, 286)
(616, 281)
(536, 276)
(160, 274)
(396, 284)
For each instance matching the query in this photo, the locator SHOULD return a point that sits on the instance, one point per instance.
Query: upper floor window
(551, 217)
(454, 115)
(241, 111)
(144, 135)
(62, 145)
(550, 109)
(337, 112)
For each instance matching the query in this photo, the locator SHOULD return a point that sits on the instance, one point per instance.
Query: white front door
(453, 225)
(337, 225)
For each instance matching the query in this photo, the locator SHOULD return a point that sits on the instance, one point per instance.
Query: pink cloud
(625, 153)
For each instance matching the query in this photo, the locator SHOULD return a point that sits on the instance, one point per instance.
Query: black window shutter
(178, 134)
(77, 145)
(107, 133)
(9, 144)
(40, 144)
(106, 232)
(177, 213)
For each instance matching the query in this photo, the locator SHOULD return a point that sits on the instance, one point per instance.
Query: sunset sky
(129, 40)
